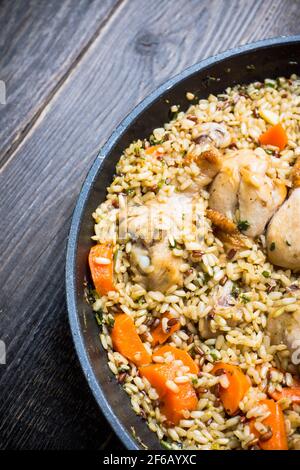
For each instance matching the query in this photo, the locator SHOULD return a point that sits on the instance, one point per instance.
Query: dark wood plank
(44, 400)
(40, 42)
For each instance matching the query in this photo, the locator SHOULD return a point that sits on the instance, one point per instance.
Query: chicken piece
(226, 230)
(153, 263)
(283, 234)
(285, 329)
(155, 267)
(208, 159)
(221, 221)
(205, 153)
(242, 184)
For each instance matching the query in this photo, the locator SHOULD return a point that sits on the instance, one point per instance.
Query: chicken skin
(243, 185)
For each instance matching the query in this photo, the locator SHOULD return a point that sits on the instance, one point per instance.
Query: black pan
(266, 59)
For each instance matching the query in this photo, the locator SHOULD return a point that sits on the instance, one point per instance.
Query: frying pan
(265, 59)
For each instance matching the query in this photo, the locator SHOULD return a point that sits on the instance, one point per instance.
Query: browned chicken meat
(153, 263)
(227, 231)
(285, 329)
(283, 235)
(243, 185)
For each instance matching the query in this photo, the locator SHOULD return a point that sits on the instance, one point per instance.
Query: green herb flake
(243, 225)
(160, 184)
(130, 191)
(272, 246)
(270, 83)
(214, 355)
(244, 298)
(194, 381)
(141, 300)
(166, 445)
(266, 274)
(172, 245)
(206, 277)
(99, 317)
(154, 141)
(235, 291)
(110, 321)
(174, 114)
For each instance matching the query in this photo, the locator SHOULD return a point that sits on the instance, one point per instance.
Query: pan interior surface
(266, 59)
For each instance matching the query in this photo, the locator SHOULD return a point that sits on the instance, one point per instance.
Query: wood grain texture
(40, 41)
(45, 402)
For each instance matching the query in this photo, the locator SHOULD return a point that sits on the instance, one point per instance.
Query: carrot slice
(102, 269)
(159, 335)
(153, 150)
(292, 393)
(178, 354)
(173, 403)
(176, 403)
(275, 421)
(276, 136)
(127, 342)
(157, 375)
(238, 386)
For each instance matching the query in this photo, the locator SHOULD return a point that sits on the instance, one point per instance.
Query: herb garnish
(266, 274)
(243, 225)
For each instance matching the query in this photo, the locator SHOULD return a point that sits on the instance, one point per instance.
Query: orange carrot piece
(276, 136)
(127, 342)
(275, 421)
(178, 354)
(173, 403)
(157, 375)
(102, 274)
(158, 334)
(153, 150)
(292, 393)
(238, 386)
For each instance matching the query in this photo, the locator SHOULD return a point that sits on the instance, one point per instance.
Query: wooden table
(73, 69)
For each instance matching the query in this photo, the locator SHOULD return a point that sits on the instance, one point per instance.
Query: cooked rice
(264, 290)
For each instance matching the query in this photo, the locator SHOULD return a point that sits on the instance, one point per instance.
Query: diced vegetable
(102, 269)
(275, 438)
(292, 392)
(178, 354)
(174, 403)
(237, 388)
(159, 335)
(157, 375)
(127, 342)
(276, 136)
(153, 150)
